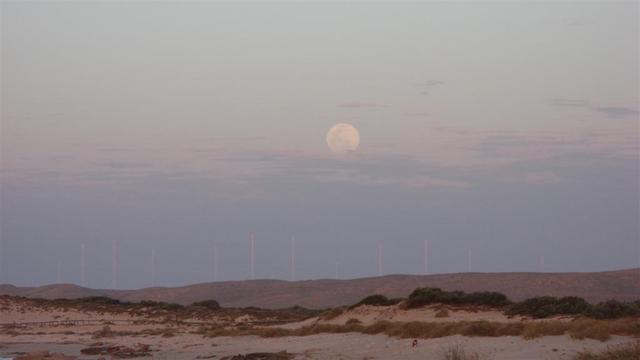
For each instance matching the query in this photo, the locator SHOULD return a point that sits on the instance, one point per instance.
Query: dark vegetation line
(207, 309)
(536, 307)
(582, 328)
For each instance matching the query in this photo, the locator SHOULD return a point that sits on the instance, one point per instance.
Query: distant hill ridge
(623, 285)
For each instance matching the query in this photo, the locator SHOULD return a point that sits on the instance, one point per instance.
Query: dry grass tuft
(585, 328)
(544, 328)
(619, 352)
(105, 332)
(577, 329)
(457, 352)
(333, 313)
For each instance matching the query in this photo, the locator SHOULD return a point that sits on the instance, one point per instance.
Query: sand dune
(164, 339)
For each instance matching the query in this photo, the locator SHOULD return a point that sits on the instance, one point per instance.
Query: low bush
(162, 305)
(376, 300)
(209, 304)
(150, 303)
(426, 296)
(546, 306)
(100, 300)
(543, 306)
(171, 306)
(613, 309)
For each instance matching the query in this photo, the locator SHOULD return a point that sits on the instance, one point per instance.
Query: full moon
(343, 138)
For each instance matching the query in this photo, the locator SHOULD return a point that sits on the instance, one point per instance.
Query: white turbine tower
(252, 272)
(2, 271)
(541, 264)
(153, 267)
(292, 263)
(425, 256)
(339, 260)
(380, 259)
(215, 262)
(83, 277)
(468, 260)
(59, 271)
(114, 263)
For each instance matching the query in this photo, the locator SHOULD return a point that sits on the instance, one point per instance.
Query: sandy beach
(162, 339)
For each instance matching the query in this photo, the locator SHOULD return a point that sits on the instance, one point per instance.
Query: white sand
(322, 346)
(187, 345)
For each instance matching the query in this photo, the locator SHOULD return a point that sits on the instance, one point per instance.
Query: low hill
(622, 285)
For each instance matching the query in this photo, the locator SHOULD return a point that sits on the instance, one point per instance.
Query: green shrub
(102, 300)
(150, 303)
(162, 305)
(209, 304)
(425, 296)
(376, 300)
(171, 306)
(572, 305)
(489, 298)
(545, 306)
(613, 309)
(538, 307)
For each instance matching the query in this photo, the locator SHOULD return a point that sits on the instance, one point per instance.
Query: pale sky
(506, 129)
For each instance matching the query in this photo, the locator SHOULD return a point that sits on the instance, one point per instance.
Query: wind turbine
(114, 263)
(252, 272)
(425, 256)
(292, 263)
(215, 262)
(83, 278)
(380, 259)
(153, 267)
(59, 271)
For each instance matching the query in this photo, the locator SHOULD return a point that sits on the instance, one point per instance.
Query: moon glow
(343, 138)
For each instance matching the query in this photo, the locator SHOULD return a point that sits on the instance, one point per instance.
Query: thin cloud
(124, 165)
(401, 171)
(358, 105)
(416, 114)
(206, 150)
(537, 178)
(250, 157)
(518, 146)
(426, 86)
(610, 111)
(574, 22)
(569, 102)
(470, 131)
(613, 111)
